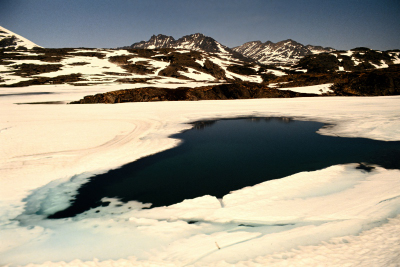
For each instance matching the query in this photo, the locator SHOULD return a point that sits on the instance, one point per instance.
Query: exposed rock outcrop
(373, 82)
(378, 82)
(357, 59)
(244, 90)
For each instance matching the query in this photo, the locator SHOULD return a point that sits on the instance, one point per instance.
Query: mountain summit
(10, 40)
(197, 41)
(287, 51)
(156, 41)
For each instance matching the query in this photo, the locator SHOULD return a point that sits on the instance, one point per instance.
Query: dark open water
(217, 157)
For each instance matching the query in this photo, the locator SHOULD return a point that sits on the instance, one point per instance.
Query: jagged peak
(290, 41)
(198, 35)
(160, 36)
(195, 36)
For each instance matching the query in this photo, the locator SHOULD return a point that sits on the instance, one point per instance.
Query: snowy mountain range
(284, 52)
(196, 41)
(164, 61)
(8, 39)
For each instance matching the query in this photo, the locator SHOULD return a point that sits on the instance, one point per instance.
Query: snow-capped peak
(283, 52)
(9, 39)
(197, 41)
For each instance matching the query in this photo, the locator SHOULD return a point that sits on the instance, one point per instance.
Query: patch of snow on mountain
(349, 53)
(182, 51)
(276, 72)
(313, 89)
(160, 65)
(381, 65)
(196, 75)
(95, 66)
(117, 52)
(396, 55)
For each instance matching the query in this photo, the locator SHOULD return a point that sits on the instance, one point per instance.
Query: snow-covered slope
(8, 39)
(284, 52)
(120, 66)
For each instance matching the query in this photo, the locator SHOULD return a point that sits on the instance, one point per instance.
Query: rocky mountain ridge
(357, 59)
(239, 90)
(194, 42)
(197, 42)
(284, 52)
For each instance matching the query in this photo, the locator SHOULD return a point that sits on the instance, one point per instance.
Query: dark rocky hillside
(8, 41)
(357, 59)
(372, 82)
(378, 82)
(216, 92)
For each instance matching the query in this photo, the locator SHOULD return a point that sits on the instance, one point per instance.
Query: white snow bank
(197, 75)
(44, 146)
(381, 65)
(313, 89)
(276, 72)
(307, 209)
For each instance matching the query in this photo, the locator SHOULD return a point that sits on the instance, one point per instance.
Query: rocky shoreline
(243, 90)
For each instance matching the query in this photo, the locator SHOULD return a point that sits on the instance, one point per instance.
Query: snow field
(102, 72)
(336, 215)
(313, 89)
(196, 75)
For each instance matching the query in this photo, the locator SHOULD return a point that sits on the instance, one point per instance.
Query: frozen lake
(217, 157)
(337, 214)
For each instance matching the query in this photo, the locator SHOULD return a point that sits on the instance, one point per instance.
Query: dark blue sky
(342, 24)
